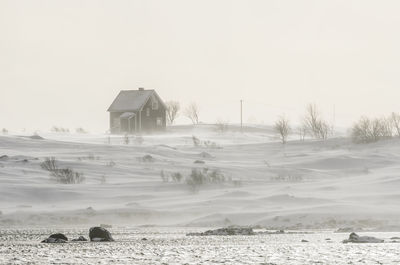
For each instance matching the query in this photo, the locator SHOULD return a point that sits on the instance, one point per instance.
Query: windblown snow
(303, 184)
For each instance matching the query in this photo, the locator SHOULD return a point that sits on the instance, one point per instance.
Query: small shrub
(59, 129)
(164, 177)
(176, 177)
(62, 175)
(287, 178)
(146, 159)
(221, 126)
(80, 130)
(49, 164)
(110, 164)
(196, 141)
(68, 176)
(89, 157)
(199, 177)
(210, 144)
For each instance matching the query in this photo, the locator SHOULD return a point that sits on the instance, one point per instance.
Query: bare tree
(302, 131)
(192, 112)
(316, 126)
(173, 108)
(222, 126)
(371, 130)
(395, 117)
(282, 127)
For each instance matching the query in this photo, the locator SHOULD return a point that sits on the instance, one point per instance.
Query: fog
(63, 62)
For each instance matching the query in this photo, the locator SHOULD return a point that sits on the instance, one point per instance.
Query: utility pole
(241, 115)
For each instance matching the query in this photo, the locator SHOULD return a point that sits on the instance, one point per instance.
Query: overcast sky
(63, 62)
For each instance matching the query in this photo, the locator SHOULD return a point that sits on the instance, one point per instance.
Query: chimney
(141, 88)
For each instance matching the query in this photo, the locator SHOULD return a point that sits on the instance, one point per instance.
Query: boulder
(354, 238)
(81, 238)
(36, 137)
(56, 238)
(59, 236)
(99, 234)
(304, 241)
(147, 158)
(205, 155)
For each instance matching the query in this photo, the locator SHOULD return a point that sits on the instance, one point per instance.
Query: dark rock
(144, 239)
(304, 241)
(59, 236)
(229, 231)
(205, 155)
(4, 157)
(54, 240)
(327, 239)
(354, 238)
(36, 137)
(147, 158)
(199, 162)
(99, 234)
(395, 237)
(81, 238)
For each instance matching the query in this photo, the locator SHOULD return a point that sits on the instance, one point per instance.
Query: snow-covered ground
(171, 246)
(304, 184)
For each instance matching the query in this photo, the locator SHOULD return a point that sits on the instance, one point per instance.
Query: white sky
(63, 62)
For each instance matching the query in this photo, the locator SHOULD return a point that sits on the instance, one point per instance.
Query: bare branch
(282, 127)
(173, 108)
(192, 112)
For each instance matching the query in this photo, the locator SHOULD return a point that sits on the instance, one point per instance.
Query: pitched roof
(132, 100)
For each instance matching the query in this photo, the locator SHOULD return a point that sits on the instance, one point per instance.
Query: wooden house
(137, 111)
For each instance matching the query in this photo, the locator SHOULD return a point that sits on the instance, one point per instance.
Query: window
(159, 121)
(154, 104)
(148, 112)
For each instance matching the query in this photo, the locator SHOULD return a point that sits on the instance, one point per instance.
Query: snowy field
(303, 185)
(318, 186)
(171, 246)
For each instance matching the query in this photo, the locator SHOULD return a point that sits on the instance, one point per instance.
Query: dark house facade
(137, 111)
